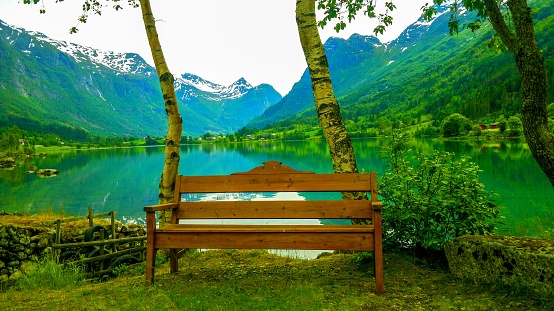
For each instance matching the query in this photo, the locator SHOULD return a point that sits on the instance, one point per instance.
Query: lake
(126, 179)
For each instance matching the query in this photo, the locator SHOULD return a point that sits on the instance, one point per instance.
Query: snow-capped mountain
(121, 62)
(234, 103)
(50, 83)
(365, 63)
(192, 86)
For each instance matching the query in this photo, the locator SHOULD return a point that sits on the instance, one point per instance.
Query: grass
(258, 280)
(49, 275)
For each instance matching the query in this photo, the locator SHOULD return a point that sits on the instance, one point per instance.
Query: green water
(125, 180)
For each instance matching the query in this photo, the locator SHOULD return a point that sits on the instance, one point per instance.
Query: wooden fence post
(102, 232)
(113, 229)
(58, 237)
(90, 223)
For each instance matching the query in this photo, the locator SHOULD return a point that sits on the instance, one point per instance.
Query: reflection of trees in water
(131, 175)
(12, 176)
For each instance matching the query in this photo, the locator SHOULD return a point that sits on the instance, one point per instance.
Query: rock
(13, 263)
(43, 242)
(17, 274)
(27, 266)
(7, 163)
(3, 232)
(518, 261)
(47, 172)
(21, 256)
(31, 169)
(25, 240)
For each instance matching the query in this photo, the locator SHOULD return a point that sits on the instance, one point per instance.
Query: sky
(218, 40)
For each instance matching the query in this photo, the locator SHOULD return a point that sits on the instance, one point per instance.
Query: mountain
(230, 106)
(424, 73)
(359, 62)
(51, 85)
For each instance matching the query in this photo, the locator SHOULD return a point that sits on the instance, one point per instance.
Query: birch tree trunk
(175, 122)
(326, 105)
(530, 63)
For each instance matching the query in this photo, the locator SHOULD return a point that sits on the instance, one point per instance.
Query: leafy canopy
(342, 10)
(94, 6)
(347, 9)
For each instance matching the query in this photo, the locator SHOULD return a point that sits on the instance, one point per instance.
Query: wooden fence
(98, 257)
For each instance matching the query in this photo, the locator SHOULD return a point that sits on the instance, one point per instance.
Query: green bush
(515, 127)
(502, 124)
(455, 125)
(433, 199)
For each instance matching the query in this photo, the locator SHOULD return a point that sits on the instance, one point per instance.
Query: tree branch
(500, 26)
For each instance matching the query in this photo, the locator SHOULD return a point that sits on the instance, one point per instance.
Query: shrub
(515, 126)
(455, 125)
(432, 200)
(502, 124)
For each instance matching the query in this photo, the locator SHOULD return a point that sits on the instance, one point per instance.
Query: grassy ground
(257, 280)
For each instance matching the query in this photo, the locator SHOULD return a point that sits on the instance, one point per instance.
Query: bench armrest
(377, 206)
(160, 207)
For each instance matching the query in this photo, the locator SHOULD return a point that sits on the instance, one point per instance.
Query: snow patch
(121, 62)
(188, 82)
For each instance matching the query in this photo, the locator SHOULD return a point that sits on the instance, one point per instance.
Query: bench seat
(308, 237)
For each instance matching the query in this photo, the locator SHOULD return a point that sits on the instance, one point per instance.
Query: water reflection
(127, 179)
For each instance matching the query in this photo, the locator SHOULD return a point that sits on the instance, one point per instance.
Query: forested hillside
(52, 86)
(425, 74)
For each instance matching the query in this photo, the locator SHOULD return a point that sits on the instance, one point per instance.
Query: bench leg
(379, 278)
(150, 250)
(173, 260)
(150, 264)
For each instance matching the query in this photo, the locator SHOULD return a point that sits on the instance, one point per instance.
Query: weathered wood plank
(264, 240)
(202, 228)
(276, 183)
(329, 209)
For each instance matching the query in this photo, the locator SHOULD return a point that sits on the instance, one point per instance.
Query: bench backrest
(274, 177)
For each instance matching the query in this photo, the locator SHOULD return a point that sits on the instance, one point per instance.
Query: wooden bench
(268, 179)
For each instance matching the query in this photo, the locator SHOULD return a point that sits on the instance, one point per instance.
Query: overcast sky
(219, 40)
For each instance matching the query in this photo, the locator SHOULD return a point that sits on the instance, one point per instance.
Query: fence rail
(101, 253)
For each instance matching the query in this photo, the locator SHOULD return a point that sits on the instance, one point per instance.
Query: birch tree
(326, 105)
(175, 122)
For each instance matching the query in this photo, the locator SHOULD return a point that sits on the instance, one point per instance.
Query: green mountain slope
(47, 84)
(424, 73)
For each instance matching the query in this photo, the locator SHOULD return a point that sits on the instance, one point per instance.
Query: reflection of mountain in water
(242, 196)
(247, 196)
(256, 196)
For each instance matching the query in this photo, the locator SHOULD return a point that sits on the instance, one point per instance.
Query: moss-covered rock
(515, 261)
